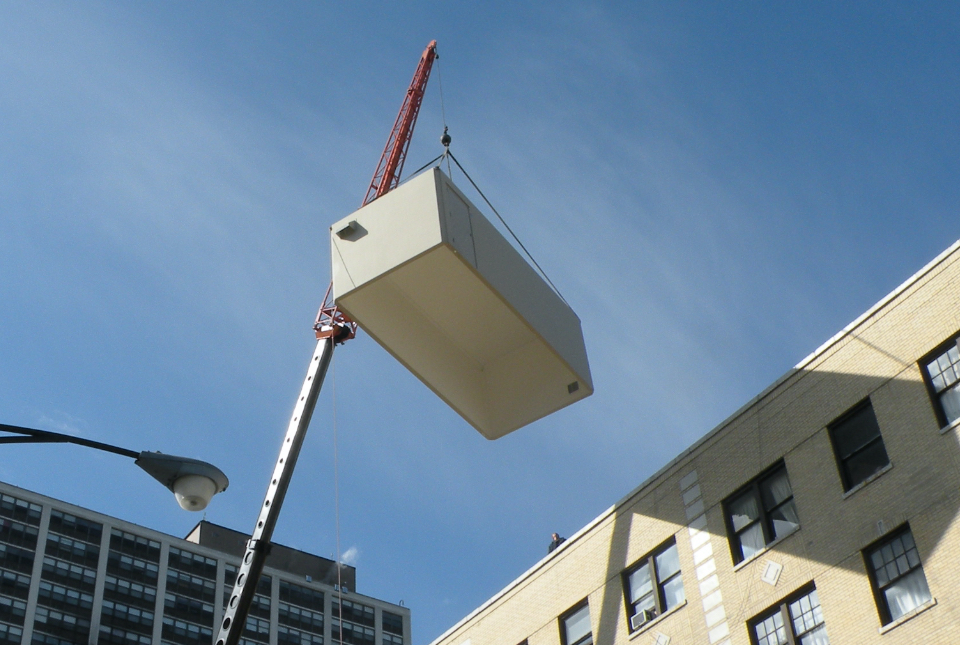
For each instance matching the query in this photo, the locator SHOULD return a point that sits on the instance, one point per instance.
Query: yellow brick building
(823, 511)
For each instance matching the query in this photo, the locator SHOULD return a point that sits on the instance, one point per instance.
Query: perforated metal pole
(235, 613)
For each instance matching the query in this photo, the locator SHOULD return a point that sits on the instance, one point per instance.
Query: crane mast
(332, 327)
(387, 175)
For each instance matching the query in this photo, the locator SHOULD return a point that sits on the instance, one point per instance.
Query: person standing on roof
(557, 541)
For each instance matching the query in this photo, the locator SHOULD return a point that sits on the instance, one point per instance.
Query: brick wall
(876, 357)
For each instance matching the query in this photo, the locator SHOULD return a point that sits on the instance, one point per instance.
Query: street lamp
(192, 481)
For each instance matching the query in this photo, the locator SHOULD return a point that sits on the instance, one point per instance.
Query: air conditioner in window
(641, 618)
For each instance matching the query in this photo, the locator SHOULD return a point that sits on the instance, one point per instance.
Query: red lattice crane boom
(331, 322)
(387, 175)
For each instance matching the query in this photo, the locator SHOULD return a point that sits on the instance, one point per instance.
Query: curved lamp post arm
(194, 482)
(29, 435)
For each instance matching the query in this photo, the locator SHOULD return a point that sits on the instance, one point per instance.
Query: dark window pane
(14, 584)
(858, 445)
(10, 634)
(12, 611)
(190, 585)
(865, 463)
(128, 592)
(116, 614)
(77, 527)
(260, 606)
(855, 432)
(18, 509)
(13, 558)
(353, 612)
(178, 631)
(189, 609)
(134, 545)
(59, 597)
(775, 489)
(352, 634)
(18, 533)
(193, 563)
(72, 550)
(392, 623)
(302, 619)
(118, 636)
(289, 636)
(132, 568)
(69, 574)
(302, 596)
(57, 623)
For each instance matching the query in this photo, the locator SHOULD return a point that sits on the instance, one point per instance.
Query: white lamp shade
(194, 492)
(193, 482)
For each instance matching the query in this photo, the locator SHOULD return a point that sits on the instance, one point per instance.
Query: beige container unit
(429, 277)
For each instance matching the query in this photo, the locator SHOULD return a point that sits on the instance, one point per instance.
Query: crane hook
(446, 138)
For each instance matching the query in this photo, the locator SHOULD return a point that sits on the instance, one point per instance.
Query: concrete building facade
(70, 576)
(823, 511)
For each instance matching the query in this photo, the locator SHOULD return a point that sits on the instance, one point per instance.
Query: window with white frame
(575, 626)
(653, 585)
(796, 620)
(899, 584)
(941, 372)
(760, 512)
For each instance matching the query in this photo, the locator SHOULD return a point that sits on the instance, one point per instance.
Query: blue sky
(716, 188)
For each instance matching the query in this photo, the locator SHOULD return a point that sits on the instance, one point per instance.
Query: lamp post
(192, 481)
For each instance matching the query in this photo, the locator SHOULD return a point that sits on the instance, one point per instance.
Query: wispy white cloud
(351, 556)
(62, 422)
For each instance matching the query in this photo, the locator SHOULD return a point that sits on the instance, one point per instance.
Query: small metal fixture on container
(429, 278)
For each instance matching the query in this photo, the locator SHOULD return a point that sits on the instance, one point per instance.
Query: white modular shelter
(429, 277)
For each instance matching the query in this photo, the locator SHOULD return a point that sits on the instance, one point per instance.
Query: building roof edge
(686, 453)
(529, 572)
(812, 356)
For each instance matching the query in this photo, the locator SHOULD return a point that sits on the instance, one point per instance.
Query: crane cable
(336, 452)
(446, 154)
(449, 155)
(507, 226)
(336, 496)
(445, 139)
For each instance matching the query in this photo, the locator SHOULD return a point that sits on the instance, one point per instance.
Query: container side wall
(425, 274)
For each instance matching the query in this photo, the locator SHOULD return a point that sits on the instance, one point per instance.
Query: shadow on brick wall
(789, 425)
